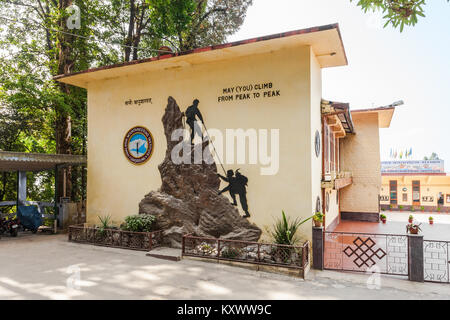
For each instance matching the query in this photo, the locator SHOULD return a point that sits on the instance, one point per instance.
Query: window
(448, 198)
(416, 193)
(330, 150)
(405, 197)
(393, 191)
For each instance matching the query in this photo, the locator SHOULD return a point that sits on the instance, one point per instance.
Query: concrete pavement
(49, 267)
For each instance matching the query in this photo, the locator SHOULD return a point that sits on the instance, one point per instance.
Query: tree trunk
(63, 117)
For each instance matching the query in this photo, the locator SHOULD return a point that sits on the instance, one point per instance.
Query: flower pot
(384, 221)
(317, 224)
(431, 221)
(410, 220)
(414, 230)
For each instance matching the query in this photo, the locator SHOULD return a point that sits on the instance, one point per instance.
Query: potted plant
(431, 220)
(413, 228)
(318, 219)
(411, 219)
(422, 208)
(391, 207)
(401, 208)
(383, 218)
(413, 209)
(439, 209)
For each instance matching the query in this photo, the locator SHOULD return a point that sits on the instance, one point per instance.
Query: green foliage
(398, 13)
(383, 216)
(105, 224)
(231, 253)
(284, 231)
(40, 115)
(433, 156)
(318, 217)
(139, 223)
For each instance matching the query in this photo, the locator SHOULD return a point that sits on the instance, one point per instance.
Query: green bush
(139, 223)
(231, 253)
(285, 229)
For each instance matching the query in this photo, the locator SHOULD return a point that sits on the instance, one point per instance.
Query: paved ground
(45, 267)
(396, 224)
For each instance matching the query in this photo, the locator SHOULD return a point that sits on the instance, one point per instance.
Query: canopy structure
(22, 163)
(34, 162)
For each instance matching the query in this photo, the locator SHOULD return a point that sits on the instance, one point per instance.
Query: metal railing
(143, 241)
(269, 254)
(436, 261)
(366, 252)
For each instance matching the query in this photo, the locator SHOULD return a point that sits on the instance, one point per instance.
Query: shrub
(318, 217)
(284, 230)
(139, 223)
(231, 253)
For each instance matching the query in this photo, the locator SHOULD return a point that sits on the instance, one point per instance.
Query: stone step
(165, 253)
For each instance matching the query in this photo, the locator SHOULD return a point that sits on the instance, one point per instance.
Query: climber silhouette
(236, 186)
(191, 113)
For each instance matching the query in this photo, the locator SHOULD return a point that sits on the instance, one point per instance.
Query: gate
(436, 261)
(361, 252)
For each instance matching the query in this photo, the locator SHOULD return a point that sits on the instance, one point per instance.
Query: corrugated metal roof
(22, 161)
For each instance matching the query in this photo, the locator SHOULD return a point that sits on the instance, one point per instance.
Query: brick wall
(360, 154)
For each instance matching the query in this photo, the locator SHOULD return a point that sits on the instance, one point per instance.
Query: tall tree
(398, 13)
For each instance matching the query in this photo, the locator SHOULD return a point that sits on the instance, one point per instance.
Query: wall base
(361, 216)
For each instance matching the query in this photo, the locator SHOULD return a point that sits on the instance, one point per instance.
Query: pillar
(317, 248)
(416, 260)
(22, 188)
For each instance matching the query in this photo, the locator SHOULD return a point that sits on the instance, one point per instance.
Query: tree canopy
(398, 13)
(40, 39)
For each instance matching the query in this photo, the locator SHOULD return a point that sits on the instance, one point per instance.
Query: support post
(21, 188)
(415, 257)
(56, 192)
(317, 248)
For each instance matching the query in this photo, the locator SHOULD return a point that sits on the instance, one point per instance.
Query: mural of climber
(191, 114)
(237, 182)
(237, 185)
(189, 200)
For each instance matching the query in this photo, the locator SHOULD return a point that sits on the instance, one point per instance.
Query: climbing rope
(209, 138)
(218, 158)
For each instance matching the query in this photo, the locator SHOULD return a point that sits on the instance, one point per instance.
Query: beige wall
(115, 186)
(315, 125)
(360, 154)
(430, 186)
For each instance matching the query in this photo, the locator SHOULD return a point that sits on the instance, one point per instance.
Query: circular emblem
(138, 145)
(318, 205)
(317, 143)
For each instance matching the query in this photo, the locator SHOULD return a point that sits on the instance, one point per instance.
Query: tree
(39, 114)
(186, 25)
(397, 12)
(433, 156)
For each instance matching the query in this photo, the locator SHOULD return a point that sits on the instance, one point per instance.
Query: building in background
(418, 184)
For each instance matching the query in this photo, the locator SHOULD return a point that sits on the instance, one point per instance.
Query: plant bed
(115, 238)
(293, 257)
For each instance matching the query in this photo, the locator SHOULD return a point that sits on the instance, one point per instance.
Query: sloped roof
(21, 161)
(325, 41)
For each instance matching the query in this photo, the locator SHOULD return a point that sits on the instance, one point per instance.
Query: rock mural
(188, 200)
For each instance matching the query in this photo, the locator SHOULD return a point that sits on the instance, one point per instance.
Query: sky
(384, 66)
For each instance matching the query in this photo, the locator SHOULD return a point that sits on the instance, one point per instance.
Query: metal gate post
(415, 258)
(318, 247)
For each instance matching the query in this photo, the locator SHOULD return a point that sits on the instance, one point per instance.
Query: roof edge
(213, 47)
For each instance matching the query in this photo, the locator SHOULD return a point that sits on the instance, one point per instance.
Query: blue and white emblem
(138, 145)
